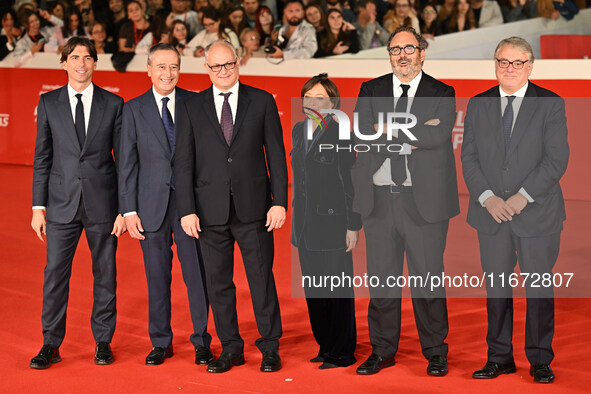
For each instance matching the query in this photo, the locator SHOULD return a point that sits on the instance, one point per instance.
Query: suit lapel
(243, 102)
(526, 111)
(63, 107)
(495, 117)
(150, 112)
(209, 108)
(96, 115)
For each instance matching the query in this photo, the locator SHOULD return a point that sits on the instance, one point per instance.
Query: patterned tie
(169, 127)
(397, 164)
(79, 121)
(226, 121)
(508, 121)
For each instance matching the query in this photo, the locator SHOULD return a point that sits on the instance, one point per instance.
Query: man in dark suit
(406, 200)
(228, 135)
(514, 153)
(148, 202)
(75, 181)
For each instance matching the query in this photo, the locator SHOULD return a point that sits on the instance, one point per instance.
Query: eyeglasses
(517, 64)
(402, 5)
(409, 50)
(429, 12)
(216, 68)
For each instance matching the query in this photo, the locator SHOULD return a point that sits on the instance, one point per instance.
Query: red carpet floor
(21, 277)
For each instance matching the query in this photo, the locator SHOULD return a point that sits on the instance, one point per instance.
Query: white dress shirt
(383, 175)
(519, 95)
(170, 105)
(232, 100)
(86, 103)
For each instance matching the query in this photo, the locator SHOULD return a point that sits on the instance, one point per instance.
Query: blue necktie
(169, 127)
(226, 121)
(79, 121)
(508, 122)
(398, 165)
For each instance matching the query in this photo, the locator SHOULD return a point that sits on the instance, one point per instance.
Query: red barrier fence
(20, 90)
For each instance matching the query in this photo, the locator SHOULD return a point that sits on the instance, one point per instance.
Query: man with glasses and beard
(297, 39)
(231, 182)
(406, 199)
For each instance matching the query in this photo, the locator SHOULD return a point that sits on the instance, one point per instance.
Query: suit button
(167, 184)
(323, 159)
(229, 159)
(330, 211)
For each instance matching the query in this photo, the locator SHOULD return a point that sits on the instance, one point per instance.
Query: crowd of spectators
(276, 29)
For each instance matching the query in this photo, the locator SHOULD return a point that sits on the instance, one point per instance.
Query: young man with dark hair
(75, 189)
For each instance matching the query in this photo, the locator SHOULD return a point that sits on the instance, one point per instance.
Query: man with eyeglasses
(406, 197)
(231, 180)
(514, 153)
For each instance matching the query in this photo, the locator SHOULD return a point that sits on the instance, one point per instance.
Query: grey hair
(220, 42)
(162, 47)
(518, 43)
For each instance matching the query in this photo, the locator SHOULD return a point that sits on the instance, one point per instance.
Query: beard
(413, 67)
(295, 21)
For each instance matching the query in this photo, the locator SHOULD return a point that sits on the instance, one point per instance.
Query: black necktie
(508, 121)
(79, 121)
(397, 164)
(169, 127)
(226, 121)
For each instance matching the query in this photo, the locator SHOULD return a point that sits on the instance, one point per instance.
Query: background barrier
(20, 89)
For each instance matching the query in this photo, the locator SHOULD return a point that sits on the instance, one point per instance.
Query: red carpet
(21, 277)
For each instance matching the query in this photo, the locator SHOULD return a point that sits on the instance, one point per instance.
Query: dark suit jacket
(63, 172)
(3, 48)
(146, 160)
(432, 166)
(206, 168)
(323, 191)
(536, 160)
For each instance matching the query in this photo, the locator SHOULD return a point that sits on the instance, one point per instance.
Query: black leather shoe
(47, 355)
(271, 361)
(203, 355)
(103, 354)
(317, 359)
(225, 362)
(158, 354)
(437, 366)
(492, 370)
(542, 373)
(374, 364)
(327, 365)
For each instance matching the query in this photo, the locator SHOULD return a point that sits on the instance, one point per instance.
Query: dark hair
(434, 28)
(26, 14)
(327, 40)
(10, 11)
(470, 19)
(293, 1)
(327, 84)
(172, 40)
(362, 4)
(163, 46)
(66, 27)
(228, 22)
(215, 15)
(322, 15)
(73, 42)
(422, 42)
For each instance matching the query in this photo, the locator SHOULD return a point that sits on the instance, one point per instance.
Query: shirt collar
(519, 93)
(159, 97)
(88, 92)
(233, 89)
(414, 84)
